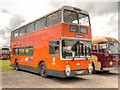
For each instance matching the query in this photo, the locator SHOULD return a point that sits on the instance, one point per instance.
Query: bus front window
(113, 47)
(77, 48)
(84, 20)
(76, 18)
(70, 17)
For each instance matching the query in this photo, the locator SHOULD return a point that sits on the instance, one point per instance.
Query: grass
(5, 66)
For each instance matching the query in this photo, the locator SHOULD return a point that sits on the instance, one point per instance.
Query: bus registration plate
(80, 72)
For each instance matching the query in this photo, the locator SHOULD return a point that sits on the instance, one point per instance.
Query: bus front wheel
(93, 68)
(43, 70)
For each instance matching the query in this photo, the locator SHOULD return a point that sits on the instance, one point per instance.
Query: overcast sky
(14, 13)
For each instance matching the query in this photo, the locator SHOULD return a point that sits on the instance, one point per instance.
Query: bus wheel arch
(40, 62)
(93, 68)
(16, 65)
(42, 70)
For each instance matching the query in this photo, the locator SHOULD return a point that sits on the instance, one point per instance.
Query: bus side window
(13, 52)
(21, 51)
(16, 33)
(40, 24)
(94, 48)
(29, 51)
(30, 28)
(22, 31)
(54, 48)
(16, 51)
(12, 35)
(54, 18)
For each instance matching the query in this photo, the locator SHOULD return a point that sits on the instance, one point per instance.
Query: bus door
(54, 54)
(102, 54)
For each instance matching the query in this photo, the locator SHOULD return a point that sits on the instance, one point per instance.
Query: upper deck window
(16, 33)
(54, 18)
(40, 24)
(12, 35)
(22, 31)
(70, 17)
(30, 28)
(84, 20)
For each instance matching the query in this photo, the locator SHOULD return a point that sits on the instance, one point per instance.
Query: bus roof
(4, 48)
(75, 9)
(78, 10)
(103, 39)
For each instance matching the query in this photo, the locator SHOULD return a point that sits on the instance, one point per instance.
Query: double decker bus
(4, 53)
(105, 54)
(57, 44)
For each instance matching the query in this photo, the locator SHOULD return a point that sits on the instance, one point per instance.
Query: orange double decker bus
(105, 54)
(57, 44)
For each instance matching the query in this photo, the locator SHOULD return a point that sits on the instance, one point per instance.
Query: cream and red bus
(57, 44)
(105, 54)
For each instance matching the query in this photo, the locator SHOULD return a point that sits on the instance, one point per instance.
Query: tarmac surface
(24, 79)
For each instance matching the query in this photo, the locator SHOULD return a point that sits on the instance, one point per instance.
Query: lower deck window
(21, 51)
(29, 51)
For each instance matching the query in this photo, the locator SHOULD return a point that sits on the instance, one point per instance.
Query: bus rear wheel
(43, 70)
(16, 65)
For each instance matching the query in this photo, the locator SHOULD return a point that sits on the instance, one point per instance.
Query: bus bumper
(63, 75)
(108, 69)
(79, 72)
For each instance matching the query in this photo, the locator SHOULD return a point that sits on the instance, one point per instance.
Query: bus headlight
(90, 68)
(111, 63)
(68, 71)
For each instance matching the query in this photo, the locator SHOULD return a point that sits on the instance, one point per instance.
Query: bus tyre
(16, 65)
(42, 70)
(93, 68)
(105, 71)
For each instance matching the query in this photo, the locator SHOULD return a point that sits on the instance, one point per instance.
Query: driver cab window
(102, 48)
(94, 48)
(54, 47)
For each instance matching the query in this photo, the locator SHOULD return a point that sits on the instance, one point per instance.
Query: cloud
(94, 8)
(4, 11)
(14, 21)
(103, 14)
